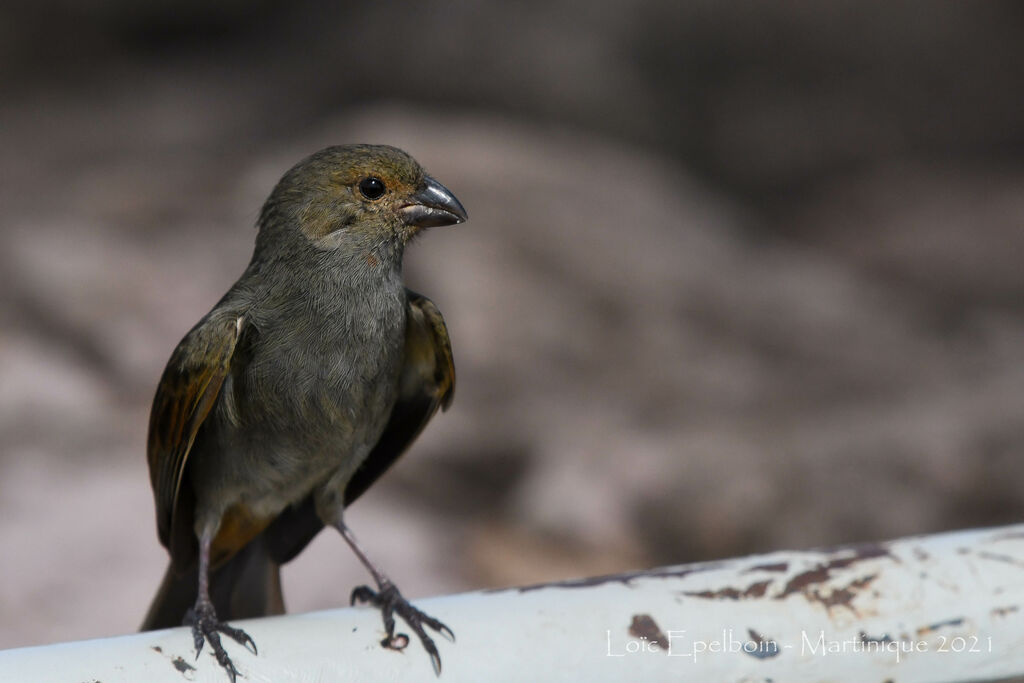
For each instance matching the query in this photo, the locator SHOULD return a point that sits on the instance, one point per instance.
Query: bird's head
(362, 200)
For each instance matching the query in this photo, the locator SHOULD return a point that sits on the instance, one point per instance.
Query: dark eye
(372, 188)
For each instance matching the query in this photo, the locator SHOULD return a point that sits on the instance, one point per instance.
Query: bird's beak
(433, 205)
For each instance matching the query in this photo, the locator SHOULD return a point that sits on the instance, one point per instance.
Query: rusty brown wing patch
(186, 394)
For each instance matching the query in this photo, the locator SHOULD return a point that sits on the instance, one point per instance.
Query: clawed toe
(207, 628)
(239, 636)
(391, 602)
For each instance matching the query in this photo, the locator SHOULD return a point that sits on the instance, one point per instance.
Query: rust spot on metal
(843, 597)
(644, 626)
(853, 554)
(625, 578)
(769, 567)
(1004, 611)
(764, 648)
(802, 581)
(181, 665)
(931, 628)
(754, 590)
(836, 597)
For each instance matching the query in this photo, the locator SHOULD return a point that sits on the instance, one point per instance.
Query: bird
(296, 392)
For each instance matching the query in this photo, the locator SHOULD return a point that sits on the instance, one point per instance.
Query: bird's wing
(186, 394)
(426, 383)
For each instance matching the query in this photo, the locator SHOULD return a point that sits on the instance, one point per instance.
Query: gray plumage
(302, 385)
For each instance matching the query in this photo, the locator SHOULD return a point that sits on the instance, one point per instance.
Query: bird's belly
(287, 460)
(303, 408)
(285, 428)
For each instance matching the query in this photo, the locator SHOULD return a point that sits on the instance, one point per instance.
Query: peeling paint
(644, 626)
(813, 583)
(765, 648)
(919, 599)
(931, 628)
(823, 571)
(1005, 611)
(754, 590)
(181, 665)
(841, 597)
(625, 578)
(856, 553)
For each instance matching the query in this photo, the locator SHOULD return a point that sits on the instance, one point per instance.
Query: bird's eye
(372, 188)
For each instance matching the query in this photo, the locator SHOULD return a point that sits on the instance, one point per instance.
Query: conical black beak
(433, 205)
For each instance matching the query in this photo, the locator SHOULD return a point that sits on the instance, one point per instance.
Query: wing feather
(186, 394)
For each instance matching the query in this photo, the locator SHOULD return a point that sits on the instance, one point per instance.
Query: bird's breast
(328, 377)
(311, 397)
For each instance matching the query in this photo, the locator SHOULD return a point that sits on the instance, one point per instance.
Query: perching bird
(296, 392)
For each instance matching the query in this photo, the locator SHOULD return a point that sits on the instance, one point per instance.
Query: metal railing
(946, 607)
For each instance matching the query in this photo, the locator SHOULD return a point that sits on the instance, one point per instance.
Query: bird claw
(391, 602)
(207, 628)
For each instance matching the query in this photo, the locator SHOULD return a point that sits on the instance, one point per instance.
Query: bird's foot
(206, 627)
(391, 602)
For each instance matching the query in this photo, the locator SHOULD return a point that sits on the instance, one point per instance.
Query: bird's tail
(248, 585)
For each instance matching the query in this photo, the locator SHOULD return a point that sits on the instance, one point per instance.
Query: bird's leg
(390, 601)
(203, 617)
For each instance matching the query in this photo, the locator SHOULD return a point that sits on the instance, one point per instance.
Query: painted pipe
(946, 607)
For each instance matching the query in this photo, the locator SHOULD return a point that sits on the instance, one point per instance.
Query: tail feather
(248, 585)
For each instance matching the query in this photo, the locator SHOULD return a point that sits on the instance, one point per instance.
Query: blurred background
(737, 278)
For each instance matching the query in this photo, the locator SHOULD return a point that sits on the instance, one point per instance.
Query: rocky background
(736, 278)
